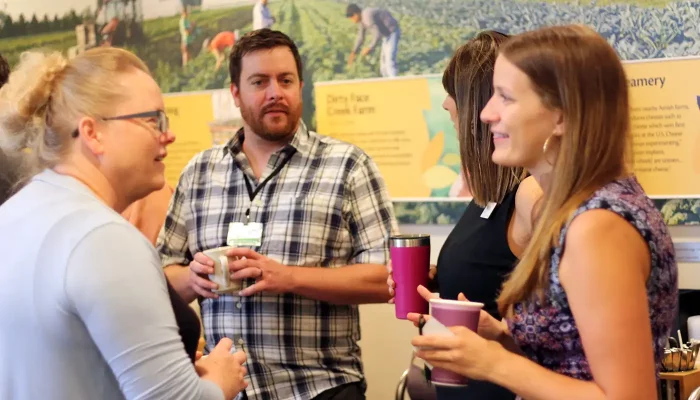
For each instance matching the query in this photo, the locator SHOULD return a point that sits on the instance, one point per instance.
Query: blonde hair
(468, 79)
(47, 94)
(573, 69)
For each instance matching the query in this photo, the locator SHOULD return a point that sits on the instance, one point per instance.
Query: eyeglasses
(163, 123)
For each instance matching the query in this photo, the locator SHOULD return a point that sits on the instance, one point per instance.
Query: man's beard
(269, 132)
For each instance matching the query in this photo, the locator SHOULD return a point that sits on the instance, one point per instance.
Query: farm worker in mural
(383, 25)
(262, 18)
(221, 42)
(186, 29)
(108, 31)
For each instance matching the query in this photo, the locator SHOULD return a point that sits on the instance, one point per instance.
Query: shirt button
(239, 305)
(241, 342)
(257, 203)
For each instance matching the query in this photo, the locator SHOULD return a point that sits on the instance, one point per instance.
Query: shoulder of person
(598, 227)
(338, 146)
(593, 222)
(85, 220)
(209, 156)
(122, 240)
(598, 218)
(528, 194)
(126, 235)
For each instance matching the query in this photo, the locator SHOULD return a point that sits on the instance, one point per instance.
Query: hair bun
(26, 97)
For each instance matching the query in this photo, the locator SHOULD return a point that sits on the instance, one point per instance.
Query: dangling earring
(544, 149)
(544, 146)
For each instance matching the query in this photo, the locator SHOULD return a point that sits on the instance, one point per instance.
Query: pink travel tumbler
(410, 260)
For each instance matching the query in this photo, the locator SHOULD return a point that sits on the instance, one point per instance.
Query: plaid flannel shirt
(327, 207)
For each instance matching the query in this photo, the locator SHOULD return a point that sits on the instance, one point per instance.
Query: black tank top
(475, 260)
(187, 322)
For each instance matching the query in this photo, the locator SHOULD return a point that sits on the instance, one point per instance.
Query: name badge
(240, 234)
(488, 210)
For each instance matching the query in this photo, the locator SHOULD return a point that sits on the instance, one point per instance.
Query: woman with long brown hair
(592, 301)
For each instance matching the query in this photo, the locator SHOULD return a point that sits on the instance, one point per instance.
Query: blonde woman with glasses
(86, 308)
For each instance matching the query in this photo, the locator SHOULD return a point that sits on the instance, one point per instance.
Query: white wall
(385, 343)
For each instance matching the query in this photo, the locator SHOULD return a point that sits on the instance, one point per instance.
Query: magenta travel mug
(453, 313)
(410, 260)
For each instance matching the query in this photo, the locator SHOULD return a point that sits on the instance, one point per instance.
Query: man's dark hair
(4, 70)
(260, 39)
(352, 10)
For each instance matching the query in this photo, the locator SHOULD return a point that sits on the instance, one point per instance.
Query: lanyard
(252, 193)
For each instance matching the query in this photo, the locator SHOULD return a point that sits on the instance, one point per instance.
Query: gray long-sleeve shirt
(84, 306)
(377, 20)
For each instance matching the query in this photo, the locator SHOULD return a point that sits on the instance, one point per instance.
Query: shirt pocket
(318, 210)
(318, 225)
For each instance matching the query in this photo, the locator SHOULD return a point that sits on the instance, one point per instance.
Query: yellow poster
(401, 125)
(386, 119)
(665, 118)
(190, 115)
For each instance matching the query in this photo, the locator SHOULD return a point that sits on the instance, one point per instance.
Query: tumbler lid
(415, 240)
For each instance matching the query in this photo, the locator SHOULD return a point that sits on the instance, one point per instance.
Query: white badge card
(240, 234)
(488, 210)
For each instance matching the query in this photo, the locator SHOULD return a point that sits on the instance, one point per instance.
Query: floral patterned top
(547, 332)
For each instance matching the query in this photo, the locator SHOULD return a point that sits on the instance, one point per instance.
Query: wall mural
(185, 43)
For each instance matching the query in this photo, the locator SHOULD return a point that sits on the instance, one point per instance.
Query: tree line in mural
(21, 26)
(24, 25)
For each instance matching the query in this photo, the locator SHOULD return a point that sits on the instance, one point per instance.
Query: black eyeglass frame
(163, 120)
